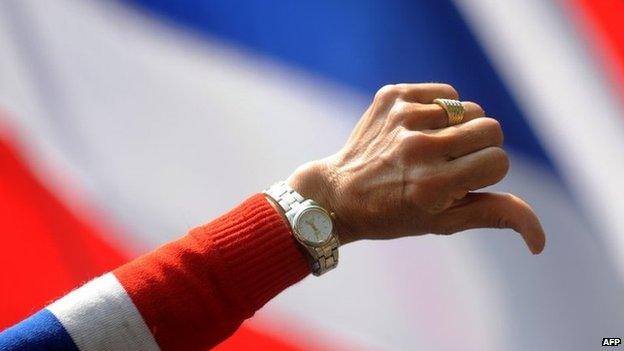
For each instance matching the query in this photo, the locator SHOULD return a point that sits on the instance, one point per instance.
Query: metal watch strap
(325, 257)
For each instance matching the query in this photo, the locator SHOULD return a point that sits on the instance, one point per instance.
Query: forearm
(413, 165)
(189, 294)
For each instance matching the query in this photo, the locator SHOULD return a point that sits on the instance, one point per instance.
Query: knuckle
(421, 196)
(417, 141)
(495, 129)
(428, 191)
(489, 123)
(433, 145)
(473, 106)
(448, 90)
(499, 155)
(490, 128)
(511, 198)
(388, 92)
(500, 160)
(414, 194)
(400, 112)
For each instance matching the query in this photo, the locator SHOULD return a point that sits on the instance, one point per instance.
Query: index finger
(424, 93)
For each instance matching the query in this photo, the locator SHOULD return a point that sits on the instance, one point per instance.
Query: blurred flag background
(125, 123)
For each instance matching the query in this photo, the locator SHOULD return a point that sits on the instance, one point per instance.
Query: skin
(405, 172)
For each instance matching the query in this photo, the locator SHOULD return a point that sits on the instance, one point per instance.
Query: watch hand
(314, 227)
(311, 224)
(316, 231)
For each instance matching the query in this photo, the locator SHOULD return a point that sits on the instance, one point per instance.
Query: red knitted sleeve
(196, 291)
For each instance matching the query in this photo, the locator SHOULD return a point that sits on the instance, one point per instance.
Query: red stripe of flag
(603, 23)
(46, 250)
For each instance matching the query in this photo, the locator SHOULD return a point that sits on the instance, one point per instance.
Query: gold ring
(454, 110)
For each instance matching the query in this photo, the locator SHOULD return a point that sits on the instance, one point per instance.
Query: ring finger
(433, 116)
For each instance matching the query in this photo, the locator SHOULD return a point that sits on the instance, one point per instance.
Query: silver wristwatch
(311, 224)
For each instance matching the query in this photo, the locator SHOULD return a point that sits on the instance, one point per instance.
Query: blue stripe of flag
(364, 44)
(41, 331)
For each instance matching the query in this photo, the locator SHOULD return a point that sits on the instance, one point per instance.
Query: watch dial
(314, 225)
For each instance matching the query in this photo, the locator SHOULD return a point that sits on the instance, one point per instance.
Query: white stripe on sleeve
(101, 316)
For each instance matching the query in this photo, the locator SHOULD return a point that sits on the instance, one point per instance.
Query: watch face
(314, 225)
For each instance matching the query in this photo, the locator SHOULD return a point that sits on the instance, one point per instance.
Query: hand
(404, 171)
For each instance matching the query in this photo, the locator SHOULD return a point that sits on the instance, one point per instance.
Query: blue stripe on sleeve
(41, 331)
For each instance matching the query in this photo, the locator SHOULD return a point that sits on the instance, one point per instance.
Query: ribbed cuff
(257, 248)
(195, 291)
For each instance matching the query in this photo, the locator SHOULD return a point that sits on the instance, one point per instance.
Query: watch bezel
(300, 237)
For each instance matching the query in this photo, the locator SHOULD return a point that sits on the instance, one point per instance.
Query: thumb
(494, 210)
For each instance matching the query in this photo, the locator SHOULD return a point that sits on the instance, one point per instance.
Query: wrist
(315, 180)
